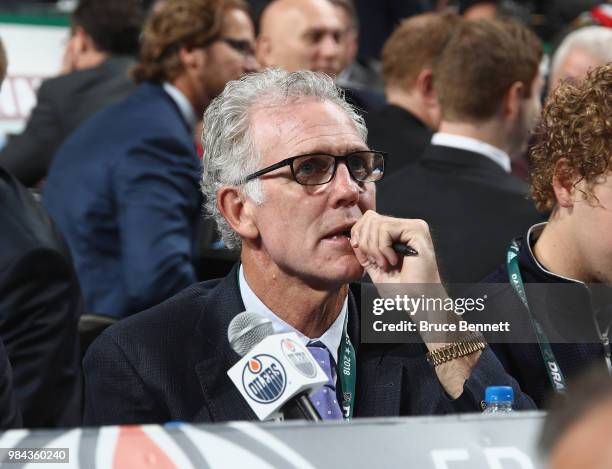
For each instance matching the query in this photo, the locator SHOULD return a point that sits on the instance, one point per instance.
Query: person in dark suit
(306, 227)
(40, 306)
(133, 224)
(462, 186)
(309, 35)
(355, 73)
(403, 128)
(102, 46)
(570, 256)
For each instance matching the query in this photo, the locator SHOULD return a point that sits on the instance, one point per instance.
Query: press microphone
(276, 373)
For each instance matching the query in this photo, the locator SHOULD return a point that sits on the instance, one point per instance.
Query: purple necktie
(324, 399)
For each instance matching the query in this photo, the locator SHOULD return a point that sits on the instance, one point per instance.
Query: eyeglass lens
(365, 166)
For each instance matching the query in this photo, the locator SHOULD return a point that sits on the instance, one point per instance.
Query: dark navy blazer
(124, 190)
(556, 310)
(170, 363)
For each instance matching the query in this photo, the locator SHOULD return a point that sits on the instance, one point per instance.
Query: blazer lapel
(379, 378)
(223, 401)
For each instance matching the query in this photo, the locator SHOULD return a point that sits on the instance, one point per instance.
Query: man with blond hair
(124, 187)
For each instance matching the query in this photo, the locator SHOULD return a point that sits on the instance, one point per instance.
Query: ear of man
(513, 100)
(238, 210)
(564, 183)
(263, 49)
(79, 45)
(83, 41)
(424, 84)
(192, 57)
(81, 52)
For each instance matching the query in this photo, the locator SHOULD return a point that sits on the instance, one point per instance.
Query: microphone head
(246, 330)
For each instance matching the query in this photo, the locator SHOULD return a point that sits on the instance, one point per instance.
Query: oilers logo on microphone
(264, 379)
(300, 358)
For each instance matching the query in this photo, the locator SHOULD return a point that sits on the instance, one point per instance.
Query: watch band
(471, 344)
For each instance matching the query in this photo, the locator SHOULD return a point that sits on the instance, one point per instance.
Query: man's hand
(372, 238)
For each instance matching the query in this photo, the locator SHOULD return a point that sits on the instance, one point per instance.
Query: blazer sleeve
(40, 304)
(488, 372)
(29, 154)
(115, 393)
(157, 195)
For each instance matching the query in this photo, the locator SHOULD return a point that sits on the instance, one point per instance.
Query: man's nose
(345, 189)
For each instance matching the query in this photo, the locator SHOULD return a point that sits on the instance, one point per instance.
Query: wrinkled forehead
(303, 126)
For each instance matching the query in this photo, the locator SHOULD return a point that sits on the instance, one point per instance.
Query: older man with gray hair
(289, 179)
(581, 50)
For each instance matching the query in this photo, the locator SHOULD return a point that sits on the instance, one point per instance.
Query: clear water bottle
(498, 400)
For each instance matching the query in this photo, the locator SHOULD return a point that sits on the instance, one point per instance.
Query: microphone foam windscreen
(246, 330)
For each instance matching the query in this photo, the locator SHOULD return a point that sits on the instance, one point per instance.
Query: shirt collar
(182, 103)
(495, 154)
(331, 338)
(532, 236)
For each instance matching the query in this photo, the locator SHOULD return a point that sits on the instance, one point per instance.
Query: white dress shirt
(495, 154)
(331, 338)
(182, 103)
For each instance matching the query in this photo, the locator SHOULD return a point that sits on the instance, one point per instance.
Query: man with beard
(124, 187)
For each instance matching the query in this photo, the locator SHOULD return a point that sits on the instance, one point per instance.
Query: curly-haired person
(563, 322)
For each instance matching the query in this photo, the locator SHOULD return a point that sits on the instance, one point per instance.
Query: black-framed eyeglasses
(243, 46)
(315, 169)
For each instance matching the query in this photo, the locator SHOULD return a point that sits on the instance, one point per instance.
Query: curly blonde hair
(576, 125)
(178, 23)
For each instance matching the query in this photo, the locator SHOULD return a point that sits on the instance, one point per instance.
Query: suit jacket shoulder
(473, 208)
(399, 133)
(40, 305)
(63, 103)
(174, 358)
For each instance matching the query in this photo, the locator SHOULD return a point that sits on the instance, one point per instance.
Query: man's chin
(351, 272)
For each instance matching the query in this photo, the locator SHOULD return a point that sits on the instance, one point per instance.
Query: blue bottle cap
(499, 394)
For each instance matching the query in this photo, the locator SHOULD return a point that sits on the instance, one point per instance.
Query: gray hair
(230, 154)
(595, 40)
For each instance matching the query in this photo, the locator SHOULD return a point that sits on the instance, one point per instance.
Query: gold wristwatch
(471, 344)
